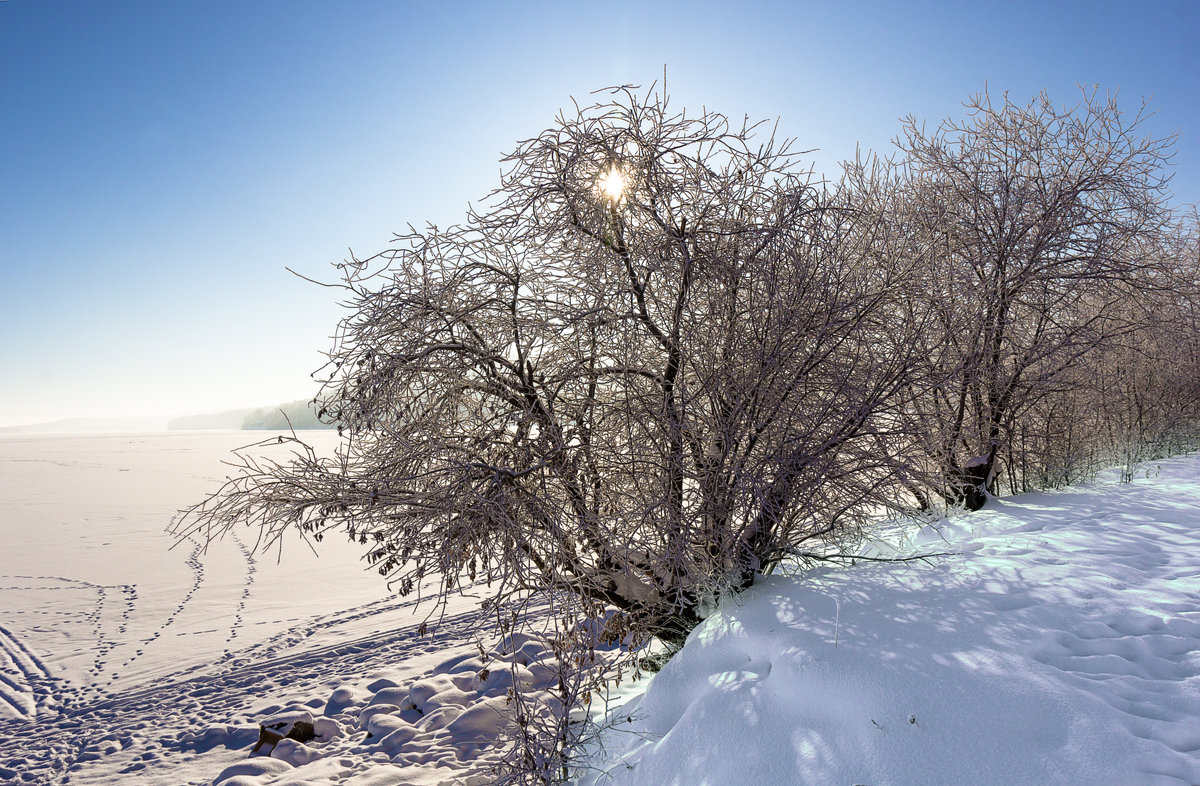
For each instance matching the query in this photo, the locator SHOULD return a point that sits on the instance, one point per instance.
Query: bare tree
(1038, 218)
(1145, 387)
(664, 359)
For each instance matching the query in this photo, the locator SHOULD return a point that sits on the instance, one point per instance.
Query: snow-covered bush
(662, 359)
(1043, 236)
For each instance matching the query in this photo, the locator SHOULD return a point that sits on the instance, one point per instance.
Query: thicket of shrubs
(668, 357)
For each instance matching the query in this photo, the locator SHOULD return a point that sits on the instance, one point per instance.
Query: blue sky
(162, 162)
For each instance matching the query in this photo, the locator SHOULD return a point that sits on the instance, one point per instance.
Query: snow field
(92, 582)
(1059, 644)
(117, 646)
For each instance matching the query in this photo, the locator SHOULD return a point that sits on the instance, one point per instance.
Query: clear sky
(161, 162)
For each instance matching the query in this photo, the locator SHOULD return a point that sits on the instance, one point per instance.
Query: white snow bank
(1061, 644)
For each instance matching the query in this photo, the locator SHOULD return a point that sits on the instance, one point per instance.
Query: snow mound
(441, 727)
(1059, 644)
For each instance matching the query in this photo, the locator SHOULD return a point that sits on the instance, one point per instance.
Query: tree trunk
(968, 484)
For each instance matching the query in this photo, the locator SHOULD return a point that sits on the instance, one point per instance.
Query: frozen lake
(118, 643)
(96, 596)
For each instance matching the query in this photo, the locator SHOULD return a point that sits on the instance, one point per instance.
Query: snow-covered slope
(1061, 644)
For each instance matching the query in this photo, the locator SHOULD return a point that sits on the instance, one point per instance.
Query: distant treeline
(300, 414)
(296, 414)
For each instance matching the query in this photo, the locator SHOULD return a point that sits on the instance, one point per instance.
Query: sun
(613, 184)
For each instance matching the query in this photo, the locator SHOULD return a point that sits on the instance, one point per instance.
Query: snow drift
(1060, 644)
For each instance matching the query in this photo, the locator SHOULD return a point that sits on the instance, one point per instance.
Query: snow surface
(1059, 643)
(123, 659)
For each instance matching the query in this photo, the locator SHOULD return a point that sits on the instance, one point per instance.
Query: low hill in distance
(212, 420)
(294, 414)
(84, 425)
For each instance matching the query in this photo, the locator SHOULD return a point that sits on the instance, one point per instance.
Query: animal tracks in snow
(153, 728)
(117, 637)
(95, 617)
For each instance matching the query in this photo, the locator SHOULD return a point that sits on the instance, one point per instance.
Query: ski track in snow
(25, 680)
(27, 686)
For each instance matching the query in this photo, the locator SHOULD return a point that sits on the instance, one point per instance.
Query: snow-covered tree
(1145, 387)
(659, 362)
(1043, 223)
(664, 357)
